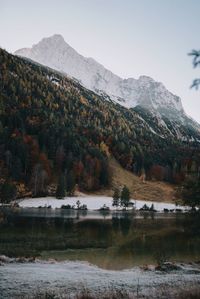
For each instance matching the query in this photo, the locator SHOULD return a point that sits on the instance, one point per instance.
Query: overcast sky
(129, 37)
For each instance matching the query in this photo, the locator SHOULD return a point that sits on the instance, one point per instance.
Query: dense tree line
(54, 130)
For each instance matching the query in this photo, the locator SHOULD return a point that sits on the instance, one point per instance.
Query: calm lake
(115, 240)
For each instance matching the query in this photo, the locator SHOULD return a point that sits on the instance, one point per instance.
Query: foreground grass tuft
(191, 294)
(161, 293)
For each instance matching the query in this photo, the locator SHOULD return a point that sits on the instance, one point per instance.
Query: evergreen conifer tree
(116, 198)
(125, 197)
(60, 191)
(8, 192)
(70, 183)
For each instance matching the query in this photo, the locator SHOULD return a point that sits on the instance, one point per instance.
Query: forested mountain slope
(52, 128)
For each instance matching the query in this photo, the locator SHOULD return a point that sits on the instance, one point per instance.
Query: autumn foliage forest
(54, 130)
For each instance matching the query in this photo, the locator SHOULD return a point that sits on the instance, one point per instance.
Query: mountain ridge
(56, 53)
(163, 107)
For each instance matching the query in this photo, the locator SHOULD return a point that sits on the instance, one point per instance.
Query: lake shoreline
(165, 267)
(97, 203)
(69, 278)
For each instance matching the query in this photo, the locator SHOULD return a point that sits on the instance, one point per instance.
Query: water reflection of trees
(104, 212)
(147, 214)
(125, 235)
(122, 221)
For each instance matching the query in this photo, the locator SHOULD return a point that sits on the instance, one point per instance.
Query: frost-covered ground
(92, 202)
(29, 278)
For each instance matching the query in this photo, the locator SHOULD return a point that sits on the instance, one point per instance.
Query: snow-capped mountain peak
(54, 52)
(164, 107)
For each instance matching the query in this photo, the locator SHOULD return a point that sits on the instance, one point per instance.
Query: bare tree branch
(196, 62)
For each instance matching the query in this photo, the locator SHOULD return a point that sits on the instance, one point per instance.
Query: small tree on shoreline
(125, 197)
(116, 198)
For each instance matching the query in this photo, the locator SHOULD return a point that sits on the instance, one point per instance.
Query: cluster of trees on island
(54, 131)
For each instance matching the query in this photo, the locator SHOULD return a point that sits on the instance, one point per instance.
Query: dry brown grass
(83, 294)
(190, 294)
(149, 190)
(162, 292)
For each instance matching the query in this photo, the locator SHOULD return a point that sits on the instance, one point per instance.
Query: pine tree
(125, 197)
(60, 191)
(190, 192)
(8, 192)
(71, 182)
(152, 208)
(116, 198)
